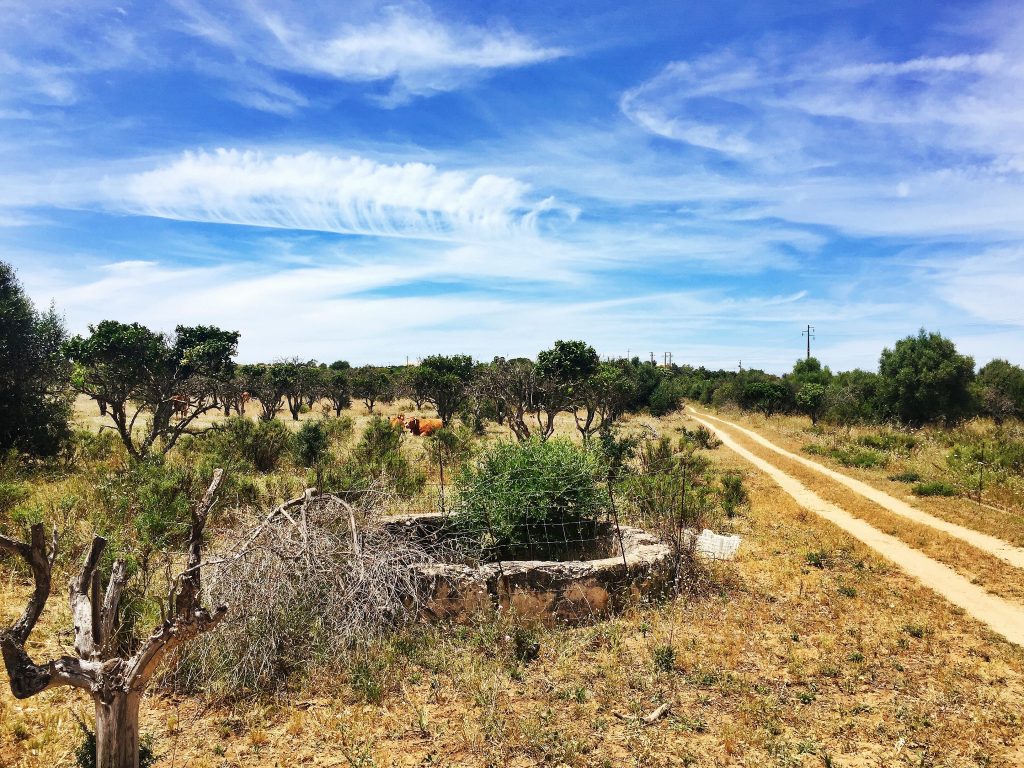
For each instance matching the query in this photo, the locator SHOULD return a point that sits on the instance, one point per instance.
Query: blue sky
(373, 181)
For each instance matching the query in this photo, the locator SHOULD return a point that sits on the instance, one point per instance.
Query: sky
(376, 182)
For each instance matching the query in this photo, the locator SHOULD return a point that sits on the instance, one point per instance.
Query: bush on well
(516, 493)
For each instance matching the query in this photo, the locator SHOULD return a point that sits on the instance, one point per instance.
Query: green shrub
(525, 644)
(734, 495)
(12, 493)
(906, 477)
(936, 488)
(664, 658)
(377, 457)
(24, 516)
(849, 457)
(150, 501)
(889, 441)
(865, 459)
(818, 558)
(368, 678)
(340, 428)
(86, 445)
(666, 397)
(452, 446)
(516, 493)
(256, 444)
(673, 487)
(702, 437)
(311, 443)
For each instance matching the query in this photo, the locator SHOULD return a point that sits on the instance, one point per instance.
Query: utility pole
(809, 333)
(652, 358)
(741, 366)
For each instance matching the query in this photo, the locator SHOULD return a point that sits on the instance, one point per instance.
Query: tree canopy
(443, 381)
(923, 379)
(34, 402)
(134, 371)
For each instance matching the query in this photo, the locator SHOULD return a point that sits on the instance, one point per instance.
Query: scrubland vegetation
(807, 650)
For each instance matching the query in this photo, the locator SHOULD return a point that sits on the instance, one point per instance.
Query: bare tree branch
(35, 556)
(111, 604)
(81, 606)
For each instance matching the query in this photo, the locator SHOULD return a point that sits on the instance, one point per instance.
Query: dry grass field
(807, 650)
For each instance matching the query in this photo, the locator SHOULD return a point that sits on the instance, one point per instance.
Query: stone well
(570, 591)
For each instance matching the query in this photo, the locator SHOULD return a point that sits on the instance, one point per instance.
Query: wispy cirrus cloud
(842, 135)
(329, 299)
(405, 46)
(47, 48)
(814, 106)
(325, 193)
(988, 284)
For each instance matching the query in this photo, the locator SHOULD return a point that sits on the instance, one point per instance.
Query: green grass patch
(906, 477)
(935, 489)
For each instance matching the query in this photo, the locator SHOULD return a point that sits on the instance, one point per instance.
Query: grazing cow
(179, 405)
(398, 421)
(424, 427)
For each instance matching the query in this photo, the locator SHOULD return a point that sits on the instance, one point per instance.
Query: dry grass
(788, 664)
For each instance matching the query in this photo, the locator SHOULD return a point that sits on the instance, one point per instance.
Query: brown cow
(398, 421)
(179, 405)
(424, 427)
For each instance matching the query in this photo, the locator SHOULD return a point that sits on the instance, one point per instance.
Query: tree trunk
(117, 731)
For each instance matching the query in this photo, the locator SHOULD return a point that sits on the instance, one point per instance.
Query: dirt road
(1002, 616)
(996, 547)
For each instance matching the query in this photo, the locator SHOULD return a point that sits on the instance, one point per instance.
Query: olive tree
(561, 372)
(114, 673)
(267, 384)
(512, 385)
(135, 371)
(443, 381)
(337, 388)
(299, 384)
(811, 400)
(602, 398)
(372, 384)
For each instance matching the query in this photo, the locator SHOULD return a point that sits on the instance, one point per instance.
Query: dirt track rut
(1002, 616)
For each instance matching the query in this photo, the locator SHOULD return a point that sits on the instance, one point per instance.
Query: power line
(809, 333)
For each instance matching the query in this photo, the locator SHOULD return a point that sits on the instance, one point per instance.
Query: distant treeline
(921, 380)
(155, 386)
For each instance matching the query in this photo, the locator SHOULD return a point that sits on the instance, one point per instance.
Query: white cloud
(840, 135)
(347, 195)
(358, 311)
(780, 104)
(48, 46)
(405, 45)
(989, 284)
